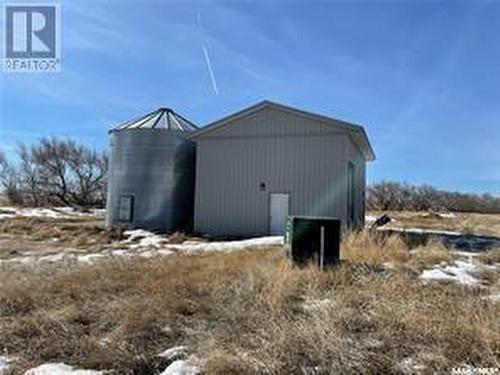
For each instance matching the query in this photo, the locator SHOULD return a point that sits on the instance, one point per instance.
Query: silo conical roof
(162, 118)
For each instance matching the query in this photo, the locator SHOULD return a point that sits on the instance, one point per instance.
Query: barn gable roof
(356, 132)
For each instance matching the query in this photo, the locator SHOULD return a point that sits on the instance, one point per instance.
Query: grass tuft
(374, 248)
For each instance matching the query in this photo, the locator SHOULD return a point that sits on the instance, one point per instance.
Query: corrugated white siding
(288, 154)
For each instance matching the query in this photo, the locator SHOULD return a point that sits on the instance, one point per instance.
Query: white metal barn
(255, 167)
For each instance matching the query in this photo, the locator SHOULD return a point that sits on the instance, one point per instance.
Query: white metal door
(278, 211)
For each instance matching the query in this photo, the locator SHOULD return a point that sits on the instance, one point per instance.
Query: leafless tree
(10, 180)
(88, 170)
(59, 172)
(29, 174)
(387, 195)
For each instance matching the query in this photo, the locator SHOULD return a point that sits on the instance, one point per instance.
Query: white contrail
(210, 70)
(198, 19)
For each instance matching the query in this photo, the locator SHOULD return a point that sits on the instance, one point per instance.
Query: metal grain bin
(313, 239)
(151, 173)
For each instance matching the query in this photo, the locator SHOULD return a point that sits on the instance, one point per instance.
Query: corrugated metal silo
(151, 173)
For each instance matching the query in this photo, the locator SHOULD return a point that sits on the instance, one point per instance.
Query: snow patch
(448, 215)
(410, 365)
(465, 254)
(174, 353)
(5, 363)
(466, 369)
(458, 272)
(59, 369)
(389, 265)
(312, 304)
(181, 367)
(421, 231)
(228, 245)
(370, 218)
(139, 238)
(141, 243)
(51, 213)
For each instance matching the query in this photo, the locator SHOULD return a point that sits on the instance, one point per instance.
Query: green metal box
(313, 240)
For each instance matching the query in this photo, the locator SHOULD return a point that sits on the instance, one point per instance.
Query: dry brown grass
(251, 312)
(488, 276)
(491, 256)
(177, 238)
(469, 225)
(4, 201)
(433, 253)
(372, 247)
(82, 233)
(382, 249)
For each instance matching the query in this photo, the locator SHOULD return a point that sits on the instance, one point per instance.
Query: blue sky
(422, 77)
